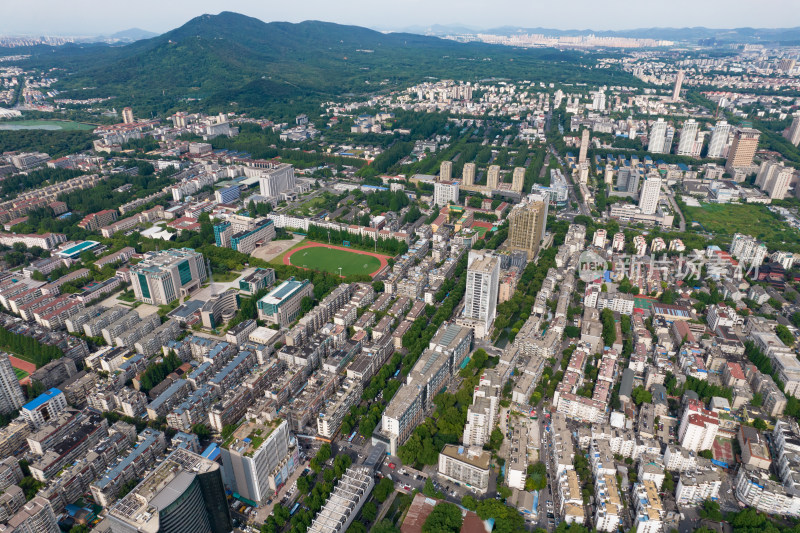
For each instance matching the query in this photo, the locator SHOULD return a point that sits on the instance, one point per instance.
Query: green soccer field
(329, 260)
(21, 374)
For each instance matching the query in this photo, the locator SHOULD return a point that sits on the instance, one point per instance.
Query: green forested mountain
(219, 59)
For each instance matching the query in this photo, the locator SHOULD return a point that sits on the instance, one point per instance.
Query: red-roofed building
(698, 427)
(184, 224)
(733, 375)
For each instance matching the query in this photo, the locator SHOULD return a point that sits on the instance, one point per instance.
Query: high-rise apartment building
(163, 277)
(748, 249)
(688, 139)
(658, 134)
(445, 192)
(584, 145)
(698, 427)
(183, 494)
(628, 180)
(719, 139)
(127, 115)
(651, 190)
(36, 516)
(44, 408)
(482, 414)
(676, 89)
(493, 177)
(257, 459)
(793, 133)
(773, 178)
(599, 101)
(527, 222)
(278, 178)
(468, 174)
(11, 397)
(518, 179)
(483, 280)
(743, 148)
(446, 171)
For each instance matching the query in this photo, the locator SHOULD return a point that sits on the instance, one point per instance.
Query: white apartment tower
(688, 140)
(599, 101)
(278, 178)
(698, 427)
(658, 137)
(11, 397)
(793, 133)
(651, 190)
(445, 192)
(719, 139)
(483, 278)
(773, 178)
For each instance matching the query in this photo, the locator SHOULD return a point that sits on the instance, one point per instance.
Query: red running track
(382, 258)
(30, 368)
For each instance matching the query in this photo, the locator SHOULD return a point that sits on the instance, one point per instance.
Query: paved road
(264, 511)
(581, 202)
(674, 204)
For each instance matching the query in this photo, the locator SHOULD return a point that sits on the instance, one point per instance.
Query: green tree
(384, 526)
(609, 327)
(758, 400)
(383, 489)
(711, 511)
(641, 395)
(202, 431)
(444, 518)
(784, 335)
(669, 482)
(469, 502)
(30, 486)
(357, 527)
(369, 511)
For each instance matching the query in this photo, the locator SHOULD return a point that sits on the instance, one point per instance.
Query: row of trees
(30, 348)
(390, 246)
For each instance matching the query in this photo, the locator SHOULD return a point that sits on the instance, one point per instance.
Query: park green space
(723, 220)
(54, 125)
(330, 260)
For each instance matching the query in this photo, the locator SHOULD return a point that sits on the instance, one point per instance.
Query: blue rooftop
(41, 399)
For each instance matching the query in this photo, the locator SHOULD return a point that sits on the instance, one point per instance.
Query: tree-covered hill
(219, 59)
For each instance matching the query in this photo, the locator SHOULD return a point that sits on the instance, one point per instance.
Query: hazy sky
(90, 17)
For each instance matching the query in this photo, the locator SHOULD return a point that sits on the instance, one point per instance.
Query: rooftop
(473, 457)
(41, 399)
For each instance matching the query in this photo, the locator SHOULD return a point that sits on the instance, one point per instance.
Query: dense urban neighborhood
(441, 303)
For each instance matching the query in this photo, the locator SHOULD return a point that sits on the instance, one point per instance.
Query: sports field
(52, 125)
(722, 450)
(328, 258)
(21, 374)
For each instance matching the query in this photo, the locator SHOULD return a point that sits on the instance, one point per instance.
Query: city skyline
(94, 18)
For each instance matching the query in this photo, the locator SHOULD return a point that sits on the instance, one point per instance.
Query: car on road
(392, 466)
